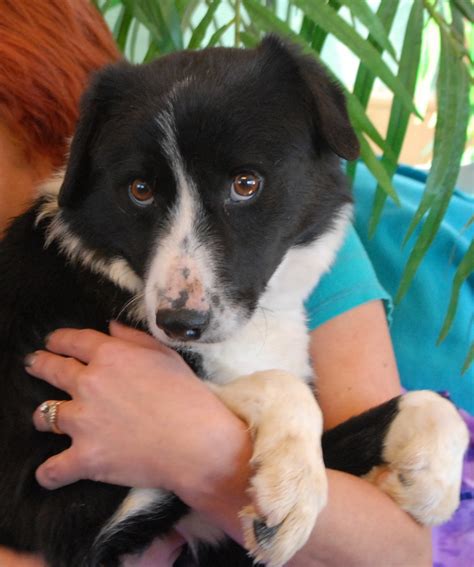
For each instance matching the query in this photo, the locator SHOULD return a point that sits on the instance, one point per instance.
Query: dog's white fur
(289, 487)
(424, 451)
(185, 263)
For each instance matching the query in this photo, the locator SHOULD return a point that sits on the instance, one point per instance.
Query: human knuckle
(79, 333)
(87, 385)
(55, 372)
(51, 473)
(83, 453)
(107, 352)
(76, 416)
(90, 459)
(75, 336)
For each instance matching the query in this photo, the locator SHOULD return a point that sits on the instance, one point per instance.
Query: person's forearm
(359, 526)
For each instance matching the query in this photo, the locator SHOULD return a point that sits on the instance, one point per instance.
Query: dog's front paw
(288, 489)
(423, 452)
(289, 485)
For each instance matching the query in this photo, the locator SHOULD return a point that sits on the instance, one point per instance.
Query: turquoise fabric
(418, 318)
(352, 281)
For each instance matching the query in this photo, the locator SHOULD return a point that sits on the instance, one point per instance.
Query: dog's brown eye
(245, 186)
(140, 193)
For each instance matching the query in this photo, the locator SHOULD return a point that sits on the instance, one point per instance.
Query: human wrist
(216, 486)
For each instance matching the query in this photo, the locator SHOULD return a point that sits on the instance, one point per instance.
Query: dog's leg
(289, 486)
(411, 447)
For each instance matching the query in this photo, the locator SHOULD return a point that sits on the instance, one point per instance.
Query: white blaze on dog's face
(182, 296)
(206, 169)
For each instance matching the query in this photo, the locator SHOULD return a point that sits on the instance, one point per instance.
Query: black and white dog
(202, 201)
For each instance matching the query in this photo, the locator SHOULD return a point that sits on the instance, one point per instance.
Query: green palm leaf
(328, 19)
(122, 27)
(203, 26)
(377, 30)
(362, 122)
(450, 137)
(376, 168)
(264, 19)
(464, 270)
(217, 35)
(469, 359)
(163, 21)
(399, 115)
(365, 79)
(314, 34)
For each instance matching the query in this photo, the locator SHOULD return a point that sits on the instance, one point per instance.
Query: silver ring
(49, 412)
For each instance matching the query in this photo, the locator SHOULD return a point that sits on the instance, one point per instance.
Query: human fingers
(57, 422)
(120, 331)
(60, 470)
(57, 370)
(81, 344)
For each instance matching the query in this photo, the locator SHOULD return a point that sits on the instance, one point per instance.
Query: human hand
(138, 415)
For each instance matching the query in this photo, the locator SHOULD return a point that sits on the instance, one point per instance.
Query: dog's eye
(140, 193)
(245, 186)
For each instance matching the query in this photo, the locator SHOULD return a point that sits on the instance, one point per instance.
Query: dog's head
(200, 171)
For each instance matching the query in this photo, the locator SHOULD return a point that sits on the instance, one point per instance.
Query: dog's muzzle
(183, 324)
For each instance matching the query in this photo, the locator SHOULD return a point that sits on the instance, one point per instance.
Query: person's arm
(356, 369)
(354, 363)
(215, 484)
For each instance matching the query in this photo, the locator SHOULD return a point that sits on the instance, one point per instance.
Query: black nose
(182, 324)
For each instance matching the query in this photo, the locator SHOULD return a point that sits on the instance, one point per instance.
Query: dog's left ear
(96, 106)
(327, 103)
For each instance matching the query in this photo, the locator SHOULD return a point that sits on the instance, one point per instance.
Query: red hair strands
(48, 48)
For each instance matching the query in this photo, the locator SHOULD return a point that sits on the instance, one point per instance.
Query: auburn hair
(48, 49)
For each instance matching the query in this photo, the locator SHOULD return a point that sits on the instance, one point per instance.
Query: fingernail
(47, 337)
(29, 359)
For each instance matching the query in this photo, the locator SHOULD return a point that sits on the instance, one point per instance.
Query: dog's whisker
(130, 304)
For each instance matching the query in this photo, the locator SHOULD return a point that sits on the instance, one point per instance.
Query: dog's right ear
(104, 91)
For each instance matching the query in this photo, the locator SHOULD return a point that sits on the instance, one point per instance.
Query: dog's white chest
(276, 337)
(271, 340)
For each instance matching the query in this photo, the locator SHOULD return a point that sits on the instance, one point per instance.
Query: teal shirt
(367, 270)
(352, 281)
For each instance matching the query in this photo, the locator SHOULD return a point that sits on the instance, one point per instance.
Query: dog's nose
(182, 324)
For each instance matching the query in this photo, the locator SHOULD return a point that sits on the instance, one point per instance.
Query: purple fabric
(453, 542)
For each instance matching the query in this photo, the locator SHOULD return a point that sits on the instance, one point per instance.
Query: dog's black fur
(270, 108)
